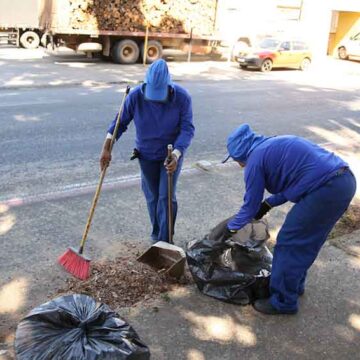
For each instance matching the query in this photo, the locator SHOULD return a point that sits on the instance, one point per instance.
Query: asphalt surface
(51, 137)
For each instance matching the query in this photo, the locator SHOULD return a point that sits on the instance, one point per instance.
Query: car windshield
(269, 44)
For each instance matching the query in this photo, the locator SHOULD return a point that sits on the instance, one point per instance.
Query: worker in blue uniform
(162, 113)
(292, 169)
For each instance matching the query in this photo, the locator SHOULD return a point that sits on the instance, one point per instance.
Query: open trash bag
(237, 271)
(76, 327)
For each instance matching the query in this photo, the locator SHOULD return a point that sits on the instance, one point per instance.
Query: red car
(273, 53)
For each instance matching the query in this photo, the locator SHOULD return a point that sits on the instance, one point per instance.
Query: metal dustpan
(165, 257)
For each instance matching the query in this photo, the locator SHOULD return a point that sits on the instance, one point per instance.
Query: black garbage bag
(236, 271)
(76, 327)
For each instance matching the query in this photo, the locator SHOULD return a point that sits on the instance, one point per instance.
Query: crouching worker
(162, 114)
(292, 169)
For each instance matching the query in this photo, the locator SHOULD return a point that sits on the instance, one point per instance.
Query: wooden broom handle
(170, 193)
(102, 176)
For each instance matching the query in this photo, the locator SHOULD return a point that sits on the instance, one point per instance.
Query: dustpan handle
(170, 195)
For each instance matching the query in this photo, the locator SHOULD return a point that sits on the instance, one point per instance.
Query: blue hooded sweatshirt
(289, 167)
(158, 123)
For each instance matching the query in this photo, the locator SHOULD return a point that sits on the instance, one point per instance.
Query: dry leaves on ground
(123, 282)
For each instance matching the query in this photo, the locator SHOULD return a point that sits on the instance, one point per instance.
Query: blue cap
(157, 81)
(241, 142)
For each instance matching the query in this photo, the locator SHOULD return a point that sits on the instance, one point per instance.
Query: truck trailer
(118, 29)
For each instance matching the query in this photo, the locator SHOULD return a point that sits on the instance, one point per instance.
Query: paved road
(51, 138)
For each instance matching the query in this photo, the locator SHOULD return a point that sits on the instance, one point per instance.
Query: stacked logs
(166, 16)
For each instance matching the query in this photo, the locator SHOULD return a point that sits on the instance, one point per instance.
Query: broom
(73, 260)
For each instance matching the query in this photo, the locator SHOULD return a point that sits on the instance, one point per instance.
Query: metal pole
(301, 9)
(146, 44)
(190, 46)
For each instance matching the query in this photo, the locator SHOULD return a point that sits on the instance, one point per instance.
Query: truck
(124, 31)
(19, 23)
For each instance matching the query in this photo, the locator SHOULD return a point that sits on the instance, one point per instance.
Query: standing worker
(162, 113)
(292, 169)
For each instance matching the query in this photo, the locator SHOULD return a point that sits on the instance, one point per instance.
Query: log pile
(166, 16)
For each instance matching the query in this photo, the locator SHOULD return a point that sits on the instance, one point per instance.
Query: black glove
(135, 154)
(227, 234)
(264, 209)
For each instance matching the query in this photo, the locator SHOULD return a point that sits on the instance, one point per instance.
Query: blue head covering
(241, 142)
(157, 81)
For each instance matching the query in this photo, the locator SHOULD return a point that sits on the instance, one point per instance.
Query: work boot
(264, 306)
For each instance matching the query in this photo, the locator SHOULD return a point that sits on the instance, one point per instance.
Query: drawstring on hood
(242, 141)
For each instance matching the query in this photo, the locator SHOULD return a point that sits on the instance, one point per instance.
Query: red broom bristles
(75, 264)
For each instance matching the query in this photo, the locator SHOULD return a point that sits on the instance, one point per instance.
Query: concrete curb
(86, 83)
(87, 188)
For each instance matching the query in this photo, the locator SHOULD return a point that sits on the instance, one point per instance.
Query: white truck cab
(350, 47)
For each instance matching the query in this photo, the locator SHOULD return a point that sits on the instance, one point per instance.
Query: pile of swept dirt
(123, 282)
(348, 223)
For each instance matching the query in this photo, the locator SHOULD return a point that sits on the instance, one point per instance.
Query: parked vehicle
(19, 23)
(350, 48)
(274, 53)
(82, 28)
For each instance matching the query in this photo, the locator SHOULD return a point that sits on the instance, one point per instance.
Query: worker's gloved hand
(171, 164)
(264, 209)
(105, 159)
(227, 234)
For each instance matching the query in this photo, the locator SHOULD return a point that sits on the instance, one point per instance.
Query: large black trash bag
(237, 271)
(76, 327)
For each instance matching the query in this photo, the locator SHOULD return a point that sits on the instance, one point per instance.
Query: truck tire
(154, 51)
(125, 52)
(30, 40)
(44, 40)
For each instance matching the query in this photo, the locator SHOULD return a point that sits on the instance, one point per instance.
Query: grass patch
(348, 223)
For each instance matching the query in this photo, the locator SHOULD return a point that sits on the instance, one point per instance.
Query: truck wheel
(125, 52)
(342, 53)
(154, 51)
(44, 40)
(30, 40)
(266, 66)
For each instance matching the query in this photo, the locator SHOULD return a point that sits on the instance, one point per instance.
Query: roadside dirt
(348, 223)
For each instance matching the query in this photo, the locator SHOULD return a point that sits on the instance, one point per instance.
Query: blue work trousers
(302, 235)
(154, 183)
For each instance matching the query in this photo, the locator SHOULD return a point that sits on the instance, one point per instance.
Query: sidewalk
(194, 327)
(190, 326)
(23, 69)
(36, 68)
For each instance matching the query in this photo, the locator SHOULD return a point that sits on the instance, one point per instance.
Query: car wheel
(305, 64)
(30, 40)
(243, 67)
(154, 51)
(342, 53)
(125, 52)
(266, 65)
